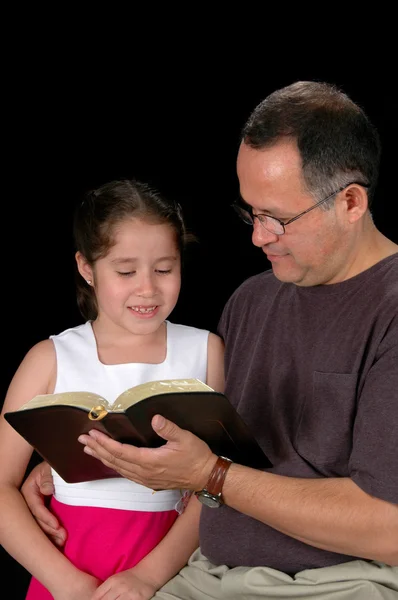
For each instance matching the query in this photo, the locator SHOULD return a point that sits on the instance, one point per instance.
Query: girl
(129, 243)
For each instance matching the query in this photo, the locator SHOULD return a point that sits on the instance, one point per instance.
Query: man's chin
(295, 276)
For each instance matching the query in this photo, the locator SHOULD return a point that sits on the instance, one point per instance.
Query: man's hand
(36, 490)
(185, 461)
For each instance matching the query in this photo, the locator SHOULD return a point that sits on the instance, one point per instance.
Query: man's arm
(333, 514)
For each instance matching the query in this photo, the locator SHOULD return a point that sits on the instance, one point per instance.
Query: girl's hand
(125, 586)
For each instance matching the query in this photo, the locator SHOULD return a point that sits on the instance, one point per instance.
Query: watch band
(217, 476)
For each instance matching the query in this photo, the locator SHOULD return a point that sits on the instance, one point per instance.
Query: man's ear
(84, 268)
(355, 198)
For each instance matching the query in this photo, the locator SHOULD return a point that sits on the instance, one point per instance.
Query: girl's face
(138, 282)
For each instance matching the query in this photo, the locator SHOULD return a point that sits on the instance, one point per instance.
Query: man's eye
(263, 218)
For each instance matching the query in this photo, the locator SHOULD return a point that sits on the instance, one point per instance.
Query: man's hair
(337, 142)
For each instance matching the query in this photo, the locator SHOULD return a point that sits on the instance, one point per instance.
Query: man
(311, 365)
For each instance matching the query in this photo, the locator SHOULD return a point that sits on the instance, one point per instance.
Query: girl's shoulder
(35, 375)
(42, 352)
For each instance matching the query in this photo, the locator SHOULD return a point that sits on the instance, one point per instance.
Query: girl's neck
(122, 347)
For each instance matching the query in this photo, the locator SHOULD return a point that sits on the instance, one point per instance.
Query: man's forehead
(269, 164)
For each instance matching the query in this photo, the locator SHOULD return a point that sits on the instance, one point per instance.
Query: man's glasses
(274, 225)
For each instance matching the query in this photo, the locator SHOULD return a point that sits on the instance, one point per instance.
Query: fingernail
(159, 422)
(88, 450)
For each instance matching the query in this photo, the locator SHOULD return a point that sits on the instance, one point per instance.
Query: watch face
(208, 499)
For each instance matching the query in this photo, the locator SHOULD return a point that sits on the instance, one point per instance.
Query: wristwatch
(211, 494)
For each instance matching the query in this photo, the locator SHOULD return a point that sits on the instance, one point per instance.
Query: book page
(84, 400)
(88, 401)
(153, 388)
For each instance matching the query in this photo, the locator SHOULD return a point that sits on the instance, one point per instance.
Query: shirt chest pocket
(325, 430)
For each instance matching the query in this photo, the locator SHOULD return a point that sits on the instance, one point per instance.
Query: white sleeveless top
(79, 368)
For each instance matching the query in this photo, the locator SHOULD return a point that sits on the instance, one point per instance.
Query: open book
(52, 423)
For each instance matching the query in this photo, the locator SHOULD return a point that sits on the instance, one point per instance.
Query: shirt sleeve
(374, 458)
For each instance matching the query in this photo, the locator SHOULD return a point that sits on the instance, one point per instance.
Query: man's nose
(261, 236)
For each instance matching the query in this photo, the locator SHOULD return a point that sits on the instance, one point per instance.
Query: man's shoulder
(255, 290)
(381, 280)
(257, 284)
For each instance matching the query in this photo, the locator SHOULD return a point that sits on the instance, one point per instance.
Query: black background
(69, 126)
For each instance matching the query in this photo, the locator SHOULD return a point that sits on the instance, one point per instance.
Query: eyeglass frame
(239, 210)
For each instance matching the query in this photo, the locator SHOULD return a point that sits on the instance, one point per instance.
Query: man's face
(313, 249)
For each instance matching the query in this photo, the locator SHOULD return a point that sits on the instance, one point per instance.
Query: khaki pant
(354, 580)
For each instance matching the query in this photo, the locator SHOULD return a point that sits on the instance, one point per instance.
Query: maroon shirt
(314, 373)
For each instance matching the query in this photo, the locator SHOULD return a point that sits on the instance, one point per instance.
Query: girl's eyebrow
(124, 260)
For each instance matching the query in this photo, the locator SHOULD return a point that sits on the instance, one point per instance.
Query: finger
(39, 510)
(98, 441)
(101, 591)
(125, 468)
(167, 429)
(47, 487)
(125, 459)
(46, 483)
(49, 523)
(58, 536)
(42, 514)
(109, 451)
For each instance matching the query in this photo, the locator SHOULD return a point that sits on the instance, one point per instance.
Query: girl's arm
(20, 535)
(215, 363)
(161, 564)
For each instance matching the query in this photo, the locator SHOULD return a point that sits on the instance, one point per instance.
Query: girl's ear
(84, 268)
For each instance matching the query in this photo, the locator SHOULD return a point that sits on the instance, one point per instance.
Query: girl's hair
(105, 207)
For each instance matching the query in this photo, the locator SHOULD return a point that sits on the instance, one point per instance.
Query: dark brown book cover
(53, 428)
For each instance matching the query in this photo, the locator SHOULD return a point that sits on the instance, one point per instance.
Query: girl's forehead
(135, 238)
(140, 229)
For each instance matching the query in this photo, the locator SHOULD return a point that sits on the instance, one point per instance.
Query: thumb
(166, 429)
(47, 487)
(45, 481)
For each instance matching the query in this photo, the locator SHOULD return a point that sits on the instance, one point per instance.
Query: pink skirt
(105, 541)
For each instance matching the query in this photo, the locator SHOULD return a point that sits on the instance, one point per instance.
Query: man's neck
(373, 248)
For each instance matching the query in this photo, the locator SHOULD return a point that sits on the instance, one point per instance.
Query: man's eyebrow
(249, 208)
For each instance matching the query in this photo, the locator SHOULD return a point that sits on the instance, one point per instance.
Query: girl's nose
(146, 285)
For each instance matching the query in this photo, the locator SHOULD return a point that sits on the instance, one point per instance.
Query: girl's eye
(125, 274)
(163, 271)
